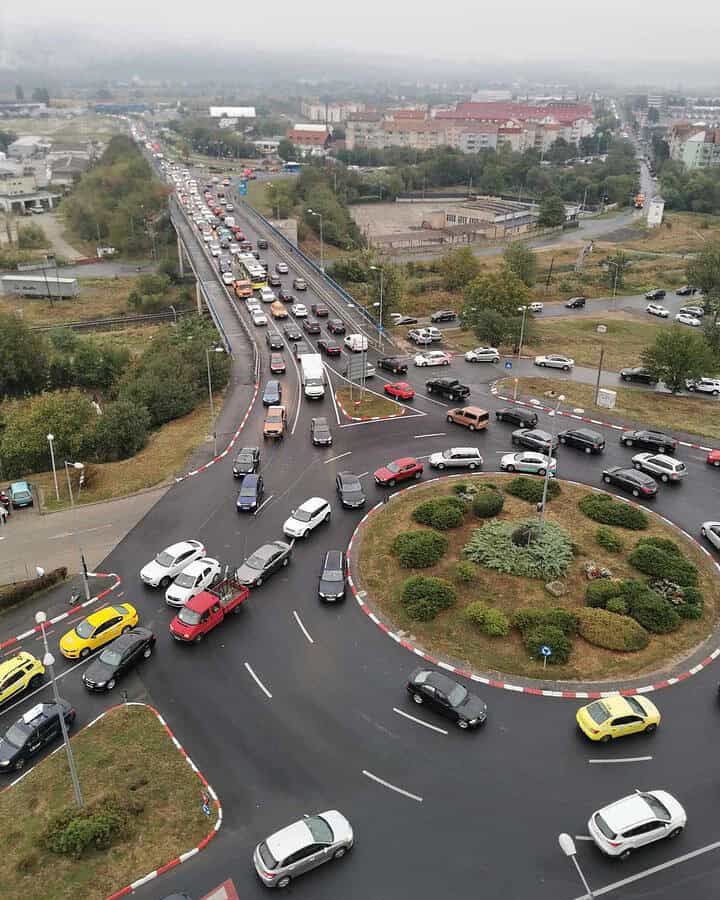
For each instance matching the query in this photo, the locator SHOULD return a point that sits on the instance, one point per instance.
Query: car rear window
(658, 808)
(266, 856)
(604, 828)
(598, 712)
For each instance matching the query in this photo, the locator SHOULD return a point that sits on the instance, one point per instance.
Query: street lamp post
(567, 845)
(522, 330)
(381, 329)
(51, 438)
(546, 481)
(79, 466)
(322, 257)
(208, 350)
(49, 663)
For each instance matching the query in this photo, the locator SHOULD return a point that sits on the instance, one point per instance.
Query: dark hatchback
(395, 364)
(583, 439)
(637, 373)
(320, 432)
(251, 494)
(534, 439)
(274, 340)
(272, 395)
(292, 333)
(332, 581)
(319, 310)
(516, 415)
(329, 347)
(262, 244)
(246, 462)
(123, 654)
(336, 326)
(656, 441)
(447, 697)
(349, 490)
(443, 315)
(274, 281)
(631, 480)
(37, 728)
(311, 326)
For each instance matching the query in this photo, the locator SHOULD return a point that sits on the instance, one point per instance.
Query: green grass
(128, 753)
(370, 405)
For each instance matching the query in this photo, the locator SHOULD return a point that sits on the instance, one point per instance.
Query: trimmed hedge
(531, 489)
(605, 509)
(440, 512)
(654, 613)
(617, 605)
(611, 631)
(492, 622)
(599, 591)
(662, 558)
(487, 503)
(551, 636)
(424, 597)
(418, 549)
(528, 617)
(10, 594)
(465, 572)
(608, 540)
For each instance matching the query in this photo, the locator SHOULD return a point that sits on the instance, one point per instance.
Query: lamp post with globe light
(567, 845)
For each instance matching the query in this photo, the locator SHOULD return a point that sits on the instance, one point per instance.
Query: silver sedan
(529, 462)
(711, 531)
(555, 361)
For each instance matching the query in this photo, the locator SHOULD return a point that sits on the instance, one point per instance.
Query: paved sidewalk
(29, 540)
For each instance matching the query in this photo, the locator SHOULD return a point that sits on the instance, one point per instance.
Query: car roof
(473, 450)
(181, 547)
(289, 840)
(404, 459)
(197, 565)
(20, 659)
(313, 503)
(440, 681)
(585, 432)
(625, 813)
(248, 481)
(333, 559)
(102, 615)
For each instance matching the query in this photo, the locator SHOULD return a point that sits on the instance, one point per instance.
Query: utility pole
(549, 275)
(599, 373)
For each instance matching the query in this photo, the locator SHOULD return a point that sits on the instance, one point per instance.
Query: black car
(516, 415)
(319, 310)
(272, 395)
(332, 581)
(656, 441)
(123, 654)
(311, 326)
(262, 244)
(575, 303)
(395, 364)
(274, 281)
(320, 431)
(534, 439)
(443, 315)
(285, 295)
(292, 332)
(263, 563)
(656, 294)
(246, 462)
(330, 348)
(274, 340)
(637, 373)
(631, 480)
(336, 326)
(686, 290)
(450, 388)
(302, 347)
(251, 493)
(584, 439)
(349, 489)
(37, 728)
(404, 320)
(447, 697)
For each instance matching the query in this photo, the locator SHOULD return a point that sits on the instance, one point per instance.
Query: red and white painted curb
(184, 857)
(70, 612)
(367, 418)
(536, 404)
(507, 686)
(233, 441)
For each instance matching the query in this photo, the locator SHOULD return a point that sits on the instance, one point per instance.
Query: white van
(356, 342)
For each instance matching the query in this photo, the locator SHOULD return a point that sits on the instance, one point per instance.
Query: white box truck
(39, 286)
(313, 375)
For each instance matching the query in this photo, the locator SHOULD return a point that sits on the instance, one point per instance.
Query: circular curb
(367, 418)
(505, 685)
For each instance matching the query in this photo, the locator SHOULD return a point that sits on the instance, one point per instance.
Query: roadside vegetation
(358, 403)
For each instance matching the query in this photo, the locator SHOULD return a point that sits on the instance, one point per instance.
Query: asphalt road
(487, 806)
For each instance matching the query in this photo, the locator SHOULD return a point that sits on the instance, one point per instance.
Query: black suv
(395, 364)
(637, 373)
(320, 432)
(349, 490)
(336, 326)
(649, 440)
(443, 315)
(575, 303)
(246, 462)
(657, 294)
(311, 326)
(447, 387)
(686, 291)
(274, 340)
(332, 581)
(262, 244)
(292, 332)
(584, 439)
(37, 728)
(516, 415)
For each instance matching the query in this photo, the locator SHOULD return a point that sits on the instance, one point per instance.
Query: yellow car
(98, 629)
(19, 672)
(614, 717)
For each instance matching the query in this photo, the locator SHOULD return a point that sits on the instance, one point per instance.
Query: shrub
(527, 617)
(531, 489)
(75, 831)
(10, 594)
(693, 597)
(440, 512)
(465, 572)
(662, 558)
(605, 509)
(617, 605)
(608, 540)
(654, 613)
(607, 629)
(418, 549)
(424, 597)
(599, 591)
(487, 504)
(551, 636)
(547, 557)
(492, 622)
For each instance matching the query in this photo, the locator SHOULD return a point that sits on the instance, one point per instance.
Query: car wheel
(542, 472)
(418, 699)
(198, 638)
(664, 478)
(675, 832)
(450, 418)
(35, 681)
(606, 479)
(84, 652)
(418, 476)
(625, 377)
(627, 442)
(463, 723)
(716, 462)
(691, 387)
(715, 393)
(635, 492)
(165, 582)
(625, 853)
(391, 483)
(515, 441)
(286, 561)
(19, 765)
(510, 468)
(126, 629)
(650, 728)
(283, 882)
(637, 465)
(147, 653)
(327, 518)
(563, 440)
(429, 389)
(605, 739)
(703, 532)
(451, 396)
(441, 465)
(258, 582)
(340, 852)
(446, 362)
(566, 368)
(111, 684)
(472, 467)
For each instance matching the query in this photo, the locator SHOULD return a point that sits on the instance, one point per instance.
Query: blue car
(251, 493)
(20, 494)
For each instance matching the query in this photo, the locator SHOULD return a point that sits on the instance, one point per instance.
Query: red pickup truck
(208, 609)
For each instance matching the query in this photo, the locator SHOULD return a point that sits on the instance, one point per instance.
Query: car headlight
(253, 503)
(100, 683)
(4, 762)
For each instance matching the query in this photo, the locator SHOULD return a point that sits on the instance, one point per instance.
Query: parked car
(299, 284)
(443, 315)
(554, 361)
(528, 462)
(686, 291)
(277, 364)
(472, 417)
(446, 696)
(320, 431)
(639, 374)
(246, 462)
(636, 483)
(398, 470)
(250, 496)
(264, 562)
(349, 490)
(656, 309)
(419, 336)
(35, 729)
(274, 340)
(645, 439)
(483, 354)
(534, 439)
(118, 658)
(704, 385)
(400, 319)
(635, 821)
(516, 415)
(194, 578)
(656, 294)
(450, 388)
(711, 532)
(333, 576)
(170, 562)
(432, 358)
(536, 306)
(664, 467)
(307, 517)
(583, 439)
(400, 390)
(319, 310)
(697, 311)
(272, 395)
(395, 364)
(456, 458)
(684, 319)
(336, 326)
(20, 494)
(18, 673)
(576, 302)
(329, 347)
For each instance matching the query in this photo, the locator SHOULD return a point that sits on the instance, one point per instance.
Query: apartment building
(317, 111)
(696, 144)
(310, 140)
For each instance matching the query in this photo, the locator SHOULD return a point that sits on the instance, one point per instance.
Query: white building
(655, 210)
(28, 145)
(232, 112)
(317, 111)
(490, 95)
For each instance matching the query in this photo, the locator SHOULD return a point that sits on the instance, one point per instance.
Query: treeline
(210, 140)
(99, 403)
(119, 201)
(695, 190)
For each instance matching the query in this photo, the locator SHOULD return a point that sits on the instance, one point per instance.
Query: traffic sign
(508, 364)
(242, 188)
(545, 650)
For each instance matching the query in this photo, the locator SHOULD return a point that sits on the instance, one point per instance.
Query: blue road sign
(242, 188)
(508, 364)
(545, 650)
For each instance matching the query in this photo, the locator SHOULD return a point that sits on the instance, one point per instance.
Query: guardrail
(102, 324)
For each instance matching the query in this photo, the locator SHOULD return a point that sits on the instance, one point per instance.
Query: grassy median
(128, 759)
(358, 403)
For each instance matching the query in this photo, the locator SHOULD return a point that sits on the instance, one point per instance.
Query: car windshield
(111, 657)
(302, 515)
(658, 808)
(247, 490)
(351, 484)
(457, 695)
(184, 580)
(447, 454)
(189, 616)
(319, 829)
(164, 559)
(393, 467)
(332, 575)
(598, 712)
(84, 629)
(636, 706)
(16, 735)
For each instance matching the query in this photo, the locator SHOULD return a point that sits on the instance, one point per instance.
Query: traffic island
(461, 569)
(143, 806)
(363, 406)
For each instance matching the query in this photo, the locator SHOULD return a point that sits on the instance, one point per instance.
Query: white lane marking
(264, 503)
(258, 682)
(302, 627)
(598, 892)
(332, 392)
(431, 400)
(419, 721)
(340, 456)
(627, 759)
(392, 786)
(583, 837)
(434, 434)
(363, 474)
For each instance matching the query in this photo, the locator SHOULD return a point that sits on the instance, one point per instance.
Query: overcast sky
(511, 31)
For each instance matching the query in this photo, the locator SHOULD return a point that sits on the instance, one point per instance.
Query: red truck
(208, 609)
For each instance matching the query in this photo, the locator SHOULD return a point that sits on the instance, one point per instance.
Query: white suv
(267, 295)
(199, 575)
(642, 818)
(170, 562)
(704, 385)
(307, 517)
(483, 354)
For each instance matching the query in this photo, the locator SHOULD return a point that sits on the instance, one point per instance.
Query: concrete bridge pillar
(181, 261)
(198, 298)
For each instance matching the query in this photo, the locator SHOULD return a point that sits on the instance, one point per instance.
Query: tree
(393, 284)
(616, 266)
(122, 431)
(6, 138)
(23, 358)
(40, 95)
(520, 259)
(458, 268)
(552, 211)
(280, 197)
(704, 272)
(288, 151)
(31, 237)
(19, 93)
(501, 291)
(677, 355)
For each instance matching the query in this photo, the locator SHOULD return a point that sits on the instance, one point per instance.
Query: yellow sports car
(19, 672)
(98, 629)
(614, 717)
